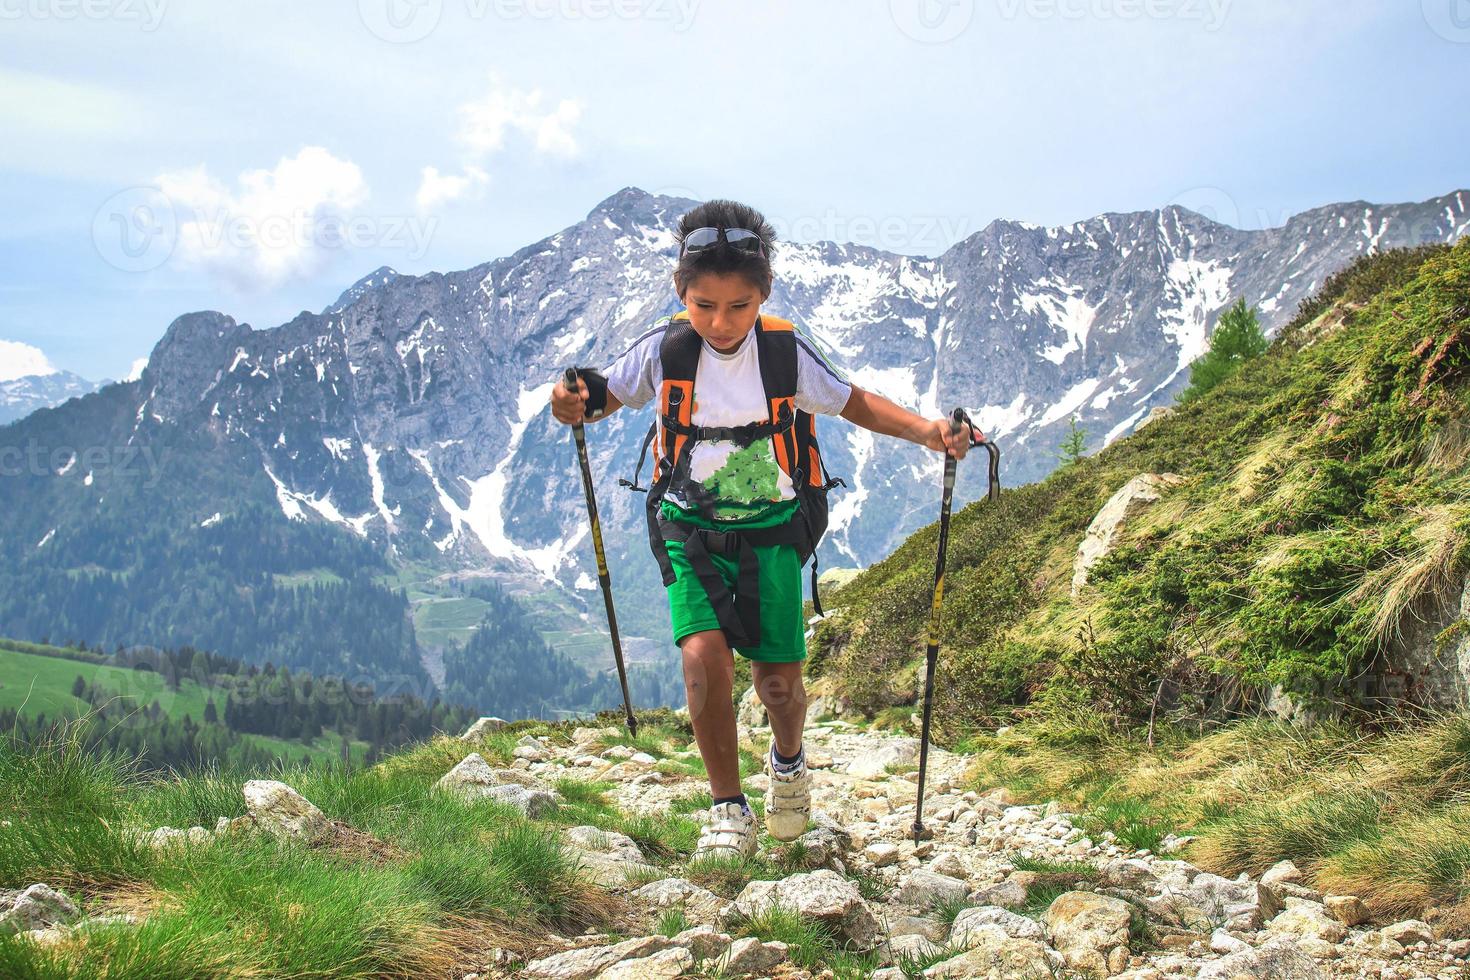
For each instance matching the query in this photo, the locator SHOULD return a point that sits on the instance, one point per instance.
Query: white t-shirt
(742, 483)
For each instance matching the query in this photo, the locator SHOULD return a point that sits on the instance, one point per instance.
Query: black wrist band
(596, 392)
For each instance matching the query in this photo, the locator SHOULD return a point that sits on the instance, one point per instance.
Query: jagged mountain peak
(380, 276)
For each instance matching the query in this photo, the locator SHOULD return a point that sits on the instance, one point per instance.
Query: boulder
(666, 964)
(1198, 900)
(1122, 507)
(1090, 931)
(1307, 919)
(896, 751)
(704, 942)
(584, 964)
(822, 895)
(750, 955)
(607, 856)
(1010, 893)
(473, 779)
(996, 956)
(483, 727)
(924, 888)
(1279, 958)
(699, 904)
(38, 906)
(1409, 932)
(1347, 909)
(279, 809)
(967, 925)
(751, 712)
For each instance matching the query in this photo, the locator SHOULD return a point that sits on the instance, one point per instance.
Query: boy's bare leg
(709, 671)
(781, 690)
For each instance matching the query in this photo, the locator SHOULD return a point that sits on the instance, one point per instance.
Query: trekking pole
(957, 418)
(579, 433)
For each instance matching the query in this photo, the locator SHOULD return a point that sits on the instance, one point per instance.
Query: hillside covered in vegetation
(1322, 508)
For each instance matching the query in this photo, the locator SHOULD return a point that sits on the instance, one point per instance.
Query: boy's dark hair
(721, 213)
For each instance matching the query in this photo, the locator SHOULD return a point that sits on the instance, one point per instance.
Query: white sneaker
(730, 831)
(789, 798)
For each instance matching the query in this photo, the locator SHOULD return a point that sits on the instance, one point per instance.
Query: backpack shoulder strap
(679, 357)
(776, 348)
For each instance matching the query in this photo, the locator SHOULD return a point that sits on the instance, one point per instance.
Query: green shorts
(783, 627)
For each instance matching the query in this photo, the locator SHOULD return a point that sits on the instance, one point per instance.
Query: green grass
(1324, 494)
(812, 945)
(315, 576)
(1384, 815)
(439, 619)
(1076, 870)
(430, 876)
(36, 684)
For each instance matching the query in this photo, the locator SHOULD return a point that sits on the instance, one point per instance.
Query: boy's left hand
(942, 438)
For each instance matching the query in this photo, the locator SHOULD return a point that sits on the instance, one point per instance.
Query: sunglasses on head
(740, 239)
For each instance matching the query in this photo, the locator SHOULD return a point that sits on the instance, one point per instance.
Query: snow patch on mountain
(849, 505)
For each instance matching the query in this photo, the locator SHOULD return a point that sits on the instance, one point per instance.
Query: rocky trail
(1036, 897)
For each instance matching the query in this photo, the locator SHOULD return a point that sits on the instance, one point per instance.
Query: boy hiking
(738, 499)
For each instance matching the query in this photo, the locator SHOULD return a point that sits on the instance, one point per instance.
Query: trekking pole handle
(959, 417)
(570, 380)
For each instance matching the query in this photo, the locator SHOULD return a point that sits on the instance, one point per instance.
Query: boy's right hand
(567, 406)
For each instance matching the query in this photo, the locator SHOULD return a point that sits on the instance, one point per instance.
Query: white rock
(996, 956)
(483, 727)
(965, 931)
(1122, 507)
(1279, 958)
(898, 751)
(664, 965)
(881, 853)
(1090, 931)
(923, 888)
(1308, 919)
(282, 811)
(822, 895)
(1409, 932)
(38, 906)
(700, 904)
(1223, 942)
(704, 941)
(584, 964)
(750, 955)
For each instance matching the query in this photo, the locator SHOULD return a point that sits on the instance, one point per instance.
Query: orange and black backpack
(794, 436)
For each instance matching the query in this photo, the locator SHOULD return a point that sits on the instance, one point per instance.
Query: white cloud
(18, 360)
(274, 226)
(484, 123)
(136, 371)
(437, 188)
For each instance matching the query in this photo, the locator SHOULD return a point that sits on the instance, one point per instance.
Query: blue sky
(162, 156)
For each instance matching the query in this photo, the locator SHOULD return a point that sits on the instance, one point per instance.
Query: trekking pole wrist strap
(596, 384)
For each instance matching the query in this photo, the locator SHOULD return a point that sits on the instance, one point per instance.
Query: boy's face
(722, 308)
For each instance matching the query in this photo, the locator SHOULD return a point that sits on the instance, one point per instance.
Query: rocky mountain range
(412, 411)
(20, 397)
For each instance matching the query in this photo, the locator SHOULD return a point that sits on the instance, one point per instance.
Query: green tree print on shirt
(746, 483)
